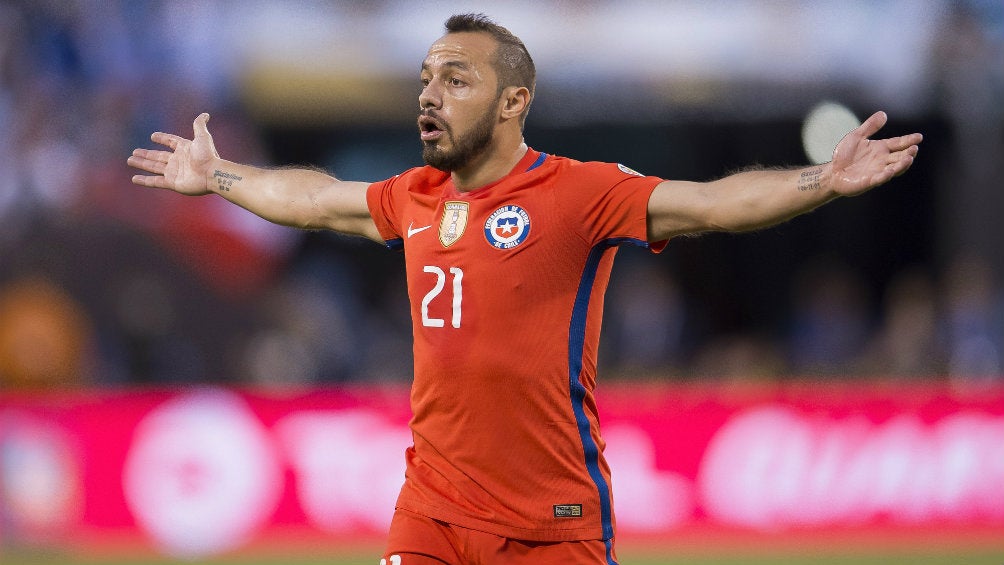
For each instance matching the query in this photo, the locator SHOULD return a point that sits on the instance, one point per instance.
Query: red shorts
(417, 540)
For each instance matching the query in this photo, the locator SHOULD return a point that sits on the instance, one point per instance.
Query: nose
(430, 96)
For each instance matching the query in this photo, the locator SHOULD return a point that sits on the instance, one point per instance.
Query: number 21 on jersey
(394, 560)
(456, 295)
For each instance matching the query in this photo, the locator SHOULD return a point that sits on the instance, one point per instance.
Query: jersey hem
(502, 530)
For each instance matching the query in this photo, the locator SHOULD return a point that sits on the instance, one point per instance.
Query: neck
(494, 164)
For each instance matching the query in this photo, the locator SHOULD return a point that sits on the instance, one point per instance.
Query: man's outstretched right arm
(301, 198)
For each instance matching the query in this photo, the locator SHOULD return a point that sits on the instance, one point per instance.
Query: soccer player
(508, 251)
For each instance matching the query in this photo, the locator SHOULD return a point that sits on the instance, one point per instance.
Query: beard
(465, 148)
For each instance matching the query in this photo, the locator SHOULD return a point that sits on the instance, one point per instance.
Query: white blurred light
(825, 125)
(202, 474)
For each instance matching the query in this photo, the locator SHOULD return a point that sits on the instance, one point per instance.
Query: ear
(514, 101)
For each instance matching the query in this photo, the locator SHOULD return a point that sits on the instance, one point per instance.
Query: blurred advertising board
(202, 471)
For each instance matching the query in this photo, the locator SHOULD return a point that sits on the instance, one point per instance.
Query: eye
(456, 82)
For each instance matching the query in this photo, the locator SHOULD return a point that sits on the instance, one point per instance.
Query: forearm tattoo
(809, 180)
(225, 180)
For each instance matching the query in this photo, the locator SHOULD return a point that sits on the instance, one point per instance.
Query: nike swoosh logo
(412, 231)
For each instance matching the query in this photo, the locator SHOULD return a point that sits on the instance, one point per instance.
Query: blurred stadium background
(116, 302)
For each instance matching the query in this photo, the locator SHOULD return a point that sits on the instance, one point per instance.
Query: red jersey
(506, 284)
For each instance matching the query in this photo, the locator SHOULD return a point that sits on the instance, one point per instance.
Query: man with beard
(508, 252)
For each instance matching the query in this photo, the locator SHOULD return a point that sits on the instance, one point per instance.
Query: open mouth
(430, 128)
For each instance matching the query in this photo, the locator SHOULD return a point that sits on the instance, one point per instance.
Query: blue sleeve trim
(538, 162)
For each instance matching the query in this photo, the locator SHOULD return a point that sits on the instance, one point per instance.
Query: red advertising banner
(197, 472)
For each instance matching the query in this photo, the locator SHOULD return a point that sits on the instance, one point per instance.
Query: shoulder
(593, 169)
(418, 179)
(592, 176)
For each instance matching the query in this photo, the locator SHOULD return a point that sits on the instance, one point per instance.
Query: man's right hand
(185, 168)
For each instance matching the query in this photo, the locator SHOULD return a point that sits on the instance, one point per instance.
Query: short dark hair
(512, 64)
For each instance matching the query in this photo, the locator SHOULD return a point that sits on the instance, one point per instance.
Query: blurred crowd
(923, 325)
(105, 283)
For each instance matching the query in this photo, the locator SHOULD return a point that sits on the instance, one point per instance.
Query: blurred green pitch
(632, 555)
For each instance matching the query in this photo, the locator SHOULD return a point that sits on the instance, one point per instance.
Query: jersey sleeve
(384, 210)
(611, 203)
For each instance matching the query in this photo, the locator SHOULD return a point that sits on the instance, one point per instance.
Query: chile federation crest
(507, 227)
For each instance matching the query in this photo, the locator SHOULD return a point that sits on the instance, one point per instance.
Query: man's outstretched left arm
(756, 199)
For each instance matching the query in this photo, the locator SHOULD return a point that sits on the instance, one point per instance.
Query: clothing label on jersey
(454, 222)
(507, 227)
(567, 510)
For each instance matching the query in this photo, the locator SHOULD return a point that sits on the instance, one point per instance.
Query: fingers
(202, 133)
(903, 152)
(152, 154)
(877, 121)
(200, 126)
(874, 123)
(168, 139)
(904, 142)
(149, 160)
(898, 165)
(172, 141)
(152, 181)
(155, 161)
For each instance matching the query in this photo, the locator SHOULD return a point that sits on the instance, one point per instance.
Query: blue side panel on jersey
(610, 552)
(577, 392)
(395, 244)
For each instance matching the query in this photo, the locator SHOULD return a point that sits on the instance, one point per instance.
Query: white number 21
(394, 560)
(458, 295)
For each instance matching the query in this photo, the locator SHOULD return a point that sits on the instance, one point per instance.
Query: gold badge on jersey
(454, 222)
